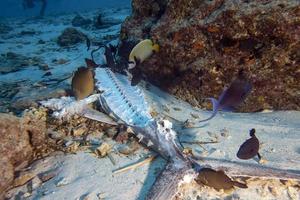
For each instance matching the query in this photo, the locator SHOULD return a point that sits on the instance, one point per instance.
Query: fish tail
(155, 48)
(215, 104)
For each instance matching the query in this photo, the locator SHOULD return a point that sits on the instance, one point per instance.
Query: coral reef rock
(70, 36)
(205, 43)
(21, 140)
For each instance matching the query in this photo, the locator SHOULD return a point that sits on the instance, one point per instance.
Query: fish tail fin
(240, 185)
(215, 105)
(155, 48)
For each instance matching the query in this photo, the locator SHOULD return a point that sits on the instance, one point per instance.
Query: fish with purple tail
(232, 96)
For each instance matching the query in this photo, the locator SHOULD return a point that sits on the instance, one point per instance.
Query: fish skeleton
(126, 104)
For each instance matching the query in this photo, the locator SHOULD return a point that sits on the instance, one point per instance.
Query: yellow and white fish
(141, 52)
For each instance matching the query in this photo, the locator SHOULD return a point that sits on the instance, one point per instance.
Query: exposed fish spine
(125, 101)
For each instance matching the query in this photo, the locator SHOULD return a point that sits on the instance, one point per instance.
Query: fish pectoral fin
(98, 116)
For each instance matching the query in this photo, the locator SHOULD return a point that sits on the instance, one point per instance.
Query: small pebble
(79, 131)
(194, 115)
(176, 109)
(224, 133)
(62, 182)
(103, 149)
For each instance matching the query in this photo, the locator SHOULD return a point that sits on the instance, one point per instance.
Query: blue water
(13, 8)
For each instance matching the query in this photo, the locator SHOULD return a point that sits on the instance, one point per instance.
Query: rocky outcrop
(70, 36)
(204, 44)
(22, 140)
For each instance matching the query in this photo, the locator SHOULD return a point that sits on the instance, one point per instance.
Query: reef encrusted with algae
(22, 140)
(203, 43)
